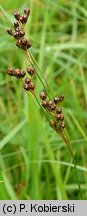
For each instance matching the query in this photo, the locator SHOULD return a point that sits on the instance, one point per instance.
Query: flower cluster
(16, 72)
(28, 85)
(18, 32)
(52, 106)
(56, 117)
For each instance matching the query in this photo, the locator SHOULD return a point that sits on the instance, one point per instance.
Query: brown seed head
(59, 110)
(19, 73)
(51, 105)
(16, 24)
(30, 70)
(16, 35)
(29, 44)
(61, 98)
(10, 71)
(10, 32)
(31, 86)
(27, 80)
(23, 19)
(22, 73)
(43, 95)
(61, 116)
(44, 104)
(62, 125)
(56, 100)
(23, 43)
(21, 33)
(58, 116)
(17, 16)
(27, 11)
(26, 86)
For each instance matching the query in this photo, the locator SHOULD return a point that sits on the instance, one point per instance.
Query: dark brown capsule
(30, 70)
(10, 32)
(29, 44)
(22, 73)
(16, 24)
(43, 95)
(17, 29)
(31, 86)
(22, 43)
(59, 110)
(58, 116)
(51, 105)
(26, 86)
(17, 16)
(17, 73)
(16, 35)
(44, 104)
(61, 116)
(22, 33)
(61, 98)
(27, 11)
(56, 100)
(10, 71)
(23, 19)
(27, 80)
(62, 125)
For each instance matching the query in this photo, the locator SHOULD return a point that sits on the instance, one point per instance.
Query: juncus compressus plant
(49, 104)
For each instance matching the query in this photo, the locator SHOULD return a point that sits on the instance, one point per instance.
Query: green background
(34, 161)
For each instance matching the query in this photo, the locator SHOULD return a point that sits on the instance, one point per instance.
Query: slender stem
(74, 161)
(41, 73)
(66, 139)
(31, 62)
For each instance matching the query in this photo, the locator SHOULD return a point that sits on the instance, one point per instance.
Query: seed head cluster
(18, 33)
(28, 85)
(53, 107)
(50, 106)
(16, 72)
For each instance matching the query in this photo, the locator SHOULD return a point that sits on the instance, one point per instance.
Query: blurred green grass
(34, 161)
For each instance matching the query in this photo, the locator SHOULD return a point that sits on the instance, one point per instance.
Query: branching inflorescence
(51, 107)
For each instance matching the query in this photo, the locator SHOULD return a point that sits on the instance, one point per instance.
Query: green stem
(33, 59)
(66, 139)
(74, 162)
(27, 55)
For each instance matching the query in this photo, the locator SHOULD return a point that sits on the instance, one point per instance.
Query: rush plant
(48, 103)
